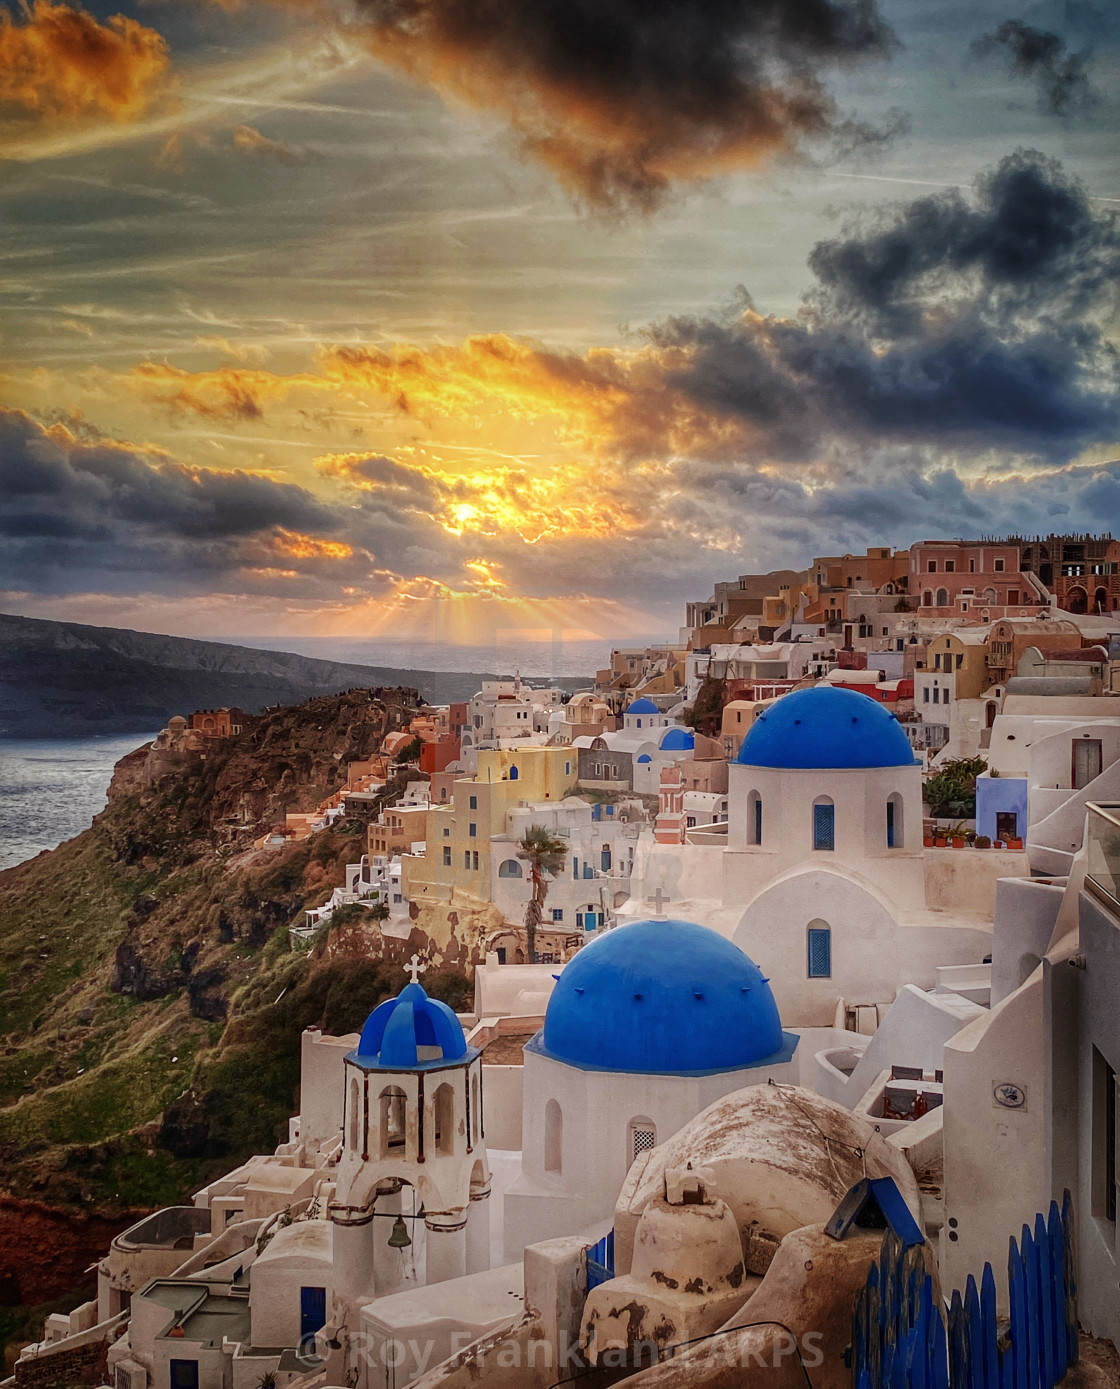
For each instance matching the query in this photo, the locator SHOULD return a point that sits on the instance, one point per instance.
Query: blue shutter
(820, 953)
(824, 827)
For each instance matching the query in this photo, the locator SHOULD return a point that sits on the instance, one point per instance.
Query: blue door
(312, 1311)
(184, 1374)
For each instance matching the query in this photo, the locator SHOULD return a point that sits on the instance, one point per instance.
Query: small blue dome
(397, 1028)
(661, 998)
(826, 729)
(678, 740)
(642, 706)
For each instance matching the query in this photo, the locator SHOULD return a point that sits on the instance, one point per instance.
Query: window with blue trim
(605, 858)
(558, 913)
(824, 824)
(820, 952)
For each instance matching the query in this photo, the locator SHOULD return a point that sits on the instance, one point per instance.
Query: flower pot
(958, 841)
(1014, 843)
(927, 840)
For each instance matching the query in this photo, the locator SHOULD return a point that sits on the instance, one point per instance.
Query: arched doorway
(1100, 600)
(1077, 600)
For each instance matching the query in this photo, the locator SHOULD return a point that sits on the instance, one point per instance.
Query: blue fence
(600, 1261)
(902, 1339)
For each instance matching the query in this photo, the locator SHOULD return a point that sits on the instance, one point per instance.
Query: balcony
(1103, 872)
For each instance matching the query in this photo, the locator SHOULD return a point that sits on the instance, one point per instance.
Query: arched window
(510, 868)
(645, 757)
(392, 1105)
(553, 1138)
(354, 1116)
(990, 595)
(895, 835)
(641, 1136)
(820, 950)
(443, 1116)
(754, 818)
(824, 823)
(1100, 600)
(513, 772)
(942, 598)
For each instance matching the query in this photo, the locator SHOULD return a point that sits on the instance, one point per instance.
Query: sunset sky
(416, 315)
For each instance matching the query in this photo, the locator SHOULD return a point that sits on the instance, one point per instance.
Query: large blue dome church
(662, 998)
(825, 729)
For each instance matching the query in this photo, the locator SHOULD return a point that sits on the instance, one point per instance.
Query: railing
(1103, 870)
(901, 1338)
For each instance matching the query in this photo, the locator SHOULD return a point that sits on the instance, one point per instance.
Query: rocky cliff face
(150, 1003)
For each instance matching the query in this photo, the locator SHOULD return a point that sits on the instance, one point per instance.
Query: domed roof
(678, 740)
(661, 998)
(642, 706)
(398, 1029)
(826, 729)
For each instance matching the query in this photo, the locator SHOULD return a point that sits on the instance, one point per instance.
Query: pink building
(952, 578)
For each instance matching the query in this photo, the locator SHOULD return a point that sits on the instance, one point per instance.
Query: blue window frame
(474, 802)
(820, 952)
(824, 826)
(758, 821)
(575, 867)
(184, 1374)
(605, 858)
(579, 921)
(588, 871)
(890, 824)
(312, 1311)
(472, 830)
(558, 913)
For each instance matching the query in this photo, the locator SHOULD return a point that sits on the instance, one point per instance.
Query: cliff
(150, 1002)
(59, 679)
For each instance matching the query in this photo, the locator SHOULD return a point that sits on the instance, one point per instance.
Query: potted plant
(927, 838)
(1014, 842)
(956, 835)
(983, 842)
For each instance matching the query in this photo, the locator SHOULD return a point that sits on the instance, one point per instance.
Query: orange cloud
(307, 547)
(249, 140)
(615, 402)
(226, 393)
(61, 64)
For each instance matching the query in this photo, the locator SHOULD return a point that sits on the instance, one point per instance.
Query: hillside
(150, 1003)
(59, 679)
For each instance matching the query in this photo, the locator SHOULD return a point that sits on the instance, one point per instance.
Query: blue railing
(902, 1339)
(600, 1262)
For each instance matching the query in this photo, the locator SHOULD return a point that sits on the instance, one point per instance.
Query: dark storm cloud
(69, 505)
(1059, 75)
(968, 326)
(622, 98)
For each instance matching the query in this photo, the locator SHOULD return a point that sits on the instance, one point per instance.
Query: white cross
(415, 969)
(659, 900)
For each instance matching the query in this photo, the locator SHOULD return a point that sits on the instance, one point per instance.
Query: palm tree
(544, 852)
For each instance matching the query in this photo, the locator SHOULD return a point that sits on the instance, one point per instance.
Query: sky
(445, 318)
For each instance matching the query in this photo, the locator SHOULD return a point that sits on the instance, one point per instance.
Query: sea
(51, 788)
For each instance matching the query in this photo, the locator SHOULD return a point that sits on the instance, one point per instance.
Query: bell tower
(413, 1172)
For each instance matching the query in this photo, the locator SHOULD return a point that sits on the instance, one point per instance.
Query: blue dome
(661, 998)
(397, 1028)
(642, 706)
(825, 729)
(678, 740)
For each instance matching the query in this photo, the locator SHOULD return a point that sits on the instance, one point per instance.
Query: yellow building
(458, 853)
(965, 655)
(398, 829)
